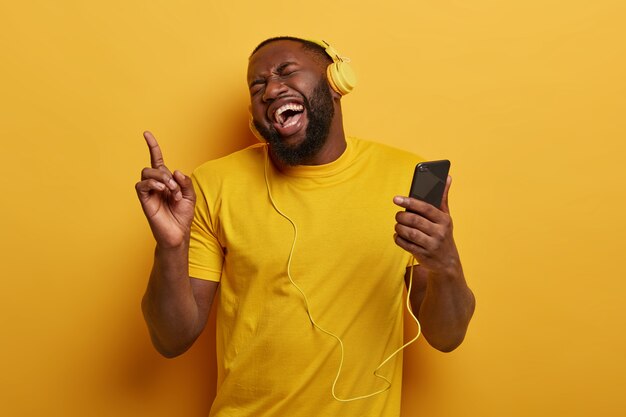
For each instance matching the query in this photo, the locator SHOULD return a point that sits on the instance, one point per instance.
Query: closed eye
(286, 69)
(256, 86)
(256, 82)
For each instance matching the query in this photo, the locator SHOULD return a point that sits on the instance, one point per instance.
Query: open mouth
(288, 118)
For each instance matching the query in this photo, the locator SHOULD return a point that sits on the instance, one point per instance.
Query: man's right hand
(167, 199)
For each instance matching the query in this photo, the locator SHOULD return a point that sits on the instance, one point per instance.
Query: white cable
(308, 309)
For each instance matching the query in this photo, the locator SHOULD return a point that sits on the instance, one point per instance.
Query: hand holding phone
(425, 230)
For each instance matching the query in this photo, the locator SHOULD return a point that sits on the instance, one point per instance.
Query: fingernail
(178, 196)
(398, 200)
(172, 183)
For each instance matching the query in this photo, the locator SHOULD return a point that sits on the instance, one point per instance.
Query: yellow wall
(527, 98)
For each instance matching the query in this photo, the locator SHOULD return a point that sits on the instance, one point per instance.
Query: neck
(333, 148)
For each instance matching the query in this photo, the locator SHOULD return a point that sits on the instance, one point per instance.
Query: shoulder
(235, 166)
(390, 156)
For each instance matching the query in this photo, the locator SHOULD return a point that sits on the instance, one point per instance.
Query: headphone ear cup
(341, 77)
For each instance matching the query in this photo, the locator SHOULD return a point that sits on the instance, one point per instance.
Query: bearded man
(309, 242)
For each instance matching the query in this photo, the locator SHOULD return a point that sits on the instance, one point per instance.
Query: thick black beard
(320, 111)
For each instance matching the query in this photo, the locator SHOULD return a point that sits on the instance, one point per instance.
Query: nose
(274, 89)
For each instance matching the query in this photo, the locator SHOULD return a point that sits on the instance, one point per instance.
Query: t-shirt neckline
(324, 170)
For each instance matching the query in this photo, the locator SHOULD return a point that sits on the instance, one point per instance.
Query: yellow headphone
(340, 75)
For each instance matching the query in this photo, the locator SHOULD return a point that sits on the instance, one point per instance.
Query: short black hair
(318, 51)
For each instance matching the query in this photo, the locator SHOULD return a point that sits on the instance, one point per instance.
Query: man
(297, 235)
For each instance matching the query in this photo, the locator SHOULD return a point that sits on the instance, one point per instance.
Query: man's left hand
(426, 231)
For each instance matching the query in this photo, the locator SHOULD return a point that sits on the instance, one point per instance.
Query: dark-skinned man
(296, 235)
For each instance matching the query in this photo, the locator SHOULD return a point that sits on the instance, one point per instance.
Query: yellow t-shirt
(271, 360)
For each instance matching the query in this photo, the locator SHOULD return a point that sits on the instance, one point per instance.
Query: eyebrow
(284, 65)
(280, 68)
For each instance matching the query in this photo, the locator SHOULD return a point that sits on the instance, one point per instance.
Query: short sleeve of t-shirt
(205, 252)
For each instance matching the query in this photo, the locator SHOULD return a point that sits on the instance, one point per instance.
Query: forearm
(169, 306)
(447, 305)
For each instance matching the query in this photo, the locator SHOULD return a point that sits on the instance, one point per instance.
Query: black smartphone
(429, 181)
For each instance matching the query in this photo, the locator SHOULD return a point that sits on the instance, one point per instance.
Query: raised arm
(441, 296)
(174, 305)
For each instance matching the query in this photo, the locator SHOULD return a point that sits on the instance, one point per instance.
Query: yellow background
(527, 98)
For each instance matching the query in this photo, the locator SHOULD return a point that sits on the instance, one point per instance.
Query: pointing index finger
(156, 157)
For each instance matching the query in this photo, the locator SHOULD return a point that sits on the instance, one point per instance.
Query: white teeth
(278, 114)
